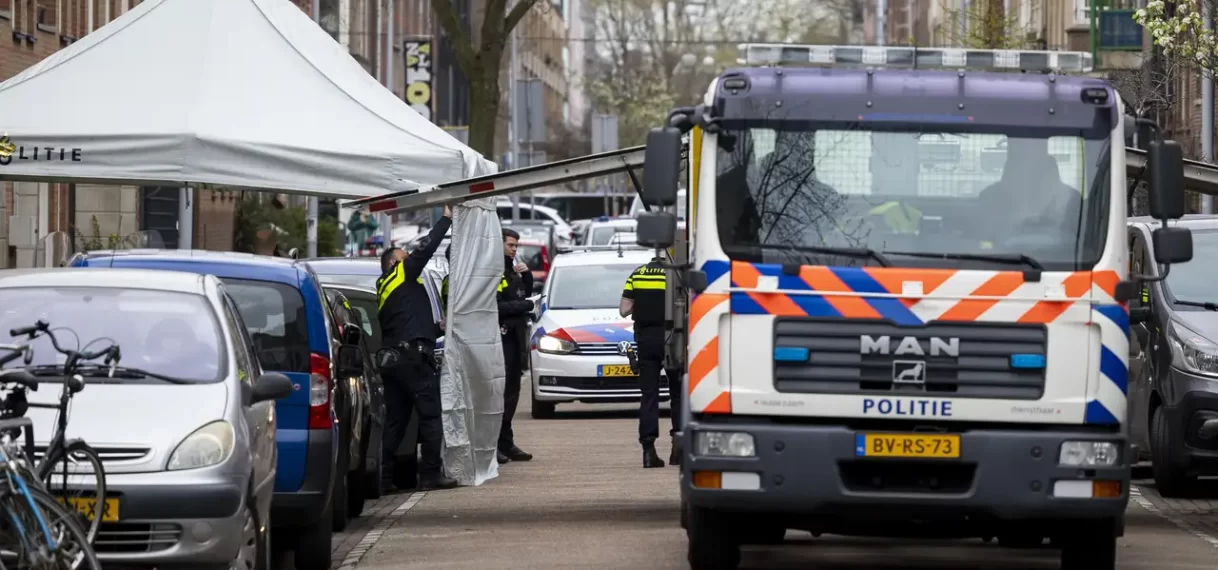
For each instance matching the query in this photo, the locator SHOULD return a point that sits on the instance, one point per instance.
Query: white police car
(578, 342)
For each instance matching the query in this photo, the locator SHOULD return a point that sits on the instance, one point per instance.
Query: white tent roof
(231, 93)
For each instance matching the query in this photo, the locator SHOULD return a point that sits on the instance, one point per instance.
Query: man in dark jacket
(413, 381)
(514, 308)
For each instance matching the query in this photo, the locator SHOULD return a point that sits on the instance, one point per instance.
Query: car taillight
(319, 392)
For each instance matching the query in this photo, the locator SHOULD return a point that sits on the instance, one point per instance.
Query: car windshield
(781, 193)
(160, 332)
(274, 314)
(603, 235)
(588, 286)
(1192, 281)
(530, 255)
(337, 279)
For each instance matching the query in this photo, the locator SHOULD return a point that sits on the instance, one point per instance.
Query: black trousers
(651, 341)
(413, 385)
(511, 388)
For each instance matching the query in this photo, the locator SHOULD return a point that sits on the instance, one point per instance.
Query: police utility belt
(411, 353)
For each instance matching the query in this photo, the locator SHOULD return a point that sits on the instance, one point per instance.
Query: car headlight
(553, 345)
(1192, 352)
(208, 445)
(1088, 454)
(724, 444)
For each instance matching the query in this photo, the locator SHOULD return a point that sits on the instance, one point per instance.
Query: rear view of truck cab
(907, 314)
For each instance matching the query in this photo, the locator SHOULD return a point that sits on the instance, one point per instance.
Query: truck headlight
(1192, 352)
(724, 444)
(554, 345)
(207, 446)
(1089, 454)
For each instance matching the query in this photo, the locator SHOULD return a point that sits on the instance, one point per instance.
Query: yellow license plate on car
(933, 446)
(613, 370)
(88, 507)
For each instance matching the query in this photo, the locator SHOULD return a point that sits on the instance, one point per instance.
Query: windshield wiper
(1011, 258)
(101, 371)
(859, 252)
(1207, 305)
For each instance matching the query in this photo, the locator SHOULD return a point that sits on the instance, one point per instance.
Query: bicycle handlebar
(20, 377)
(111, 352)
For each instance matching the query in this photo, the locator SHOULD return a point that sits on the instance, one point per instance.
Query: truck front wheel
(1092, 547)
(712, 545)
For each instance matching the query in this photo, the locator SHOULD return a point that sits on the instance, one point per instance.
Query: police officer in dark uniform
(514, 308)
(412, 382)
(643, 299)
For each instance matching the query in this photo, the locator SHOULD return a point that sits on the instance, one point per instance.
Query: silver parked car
(185, 426)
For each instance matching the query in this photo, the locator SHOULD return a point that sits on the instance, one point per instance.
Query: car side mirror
(1139, 315)
(351, 334)
(1165, 160)
(656, 229)
(661, 167)
(271, 386)
(350, 361)
(1172, 245)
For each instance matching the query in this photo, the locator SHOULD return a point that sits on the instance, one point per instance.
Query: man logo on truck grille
(909, 372)
(909, 346)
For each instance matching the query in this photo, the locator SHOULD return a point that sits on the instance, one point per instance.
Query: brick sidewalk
(1197, 515)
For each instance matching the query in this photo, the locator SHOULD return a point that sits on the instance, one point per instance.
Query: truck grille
(838, 364)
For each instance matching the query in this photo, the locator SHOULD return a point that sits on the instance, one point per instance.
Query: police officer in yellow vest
(412, 381)
(643, 299)
(514, 307)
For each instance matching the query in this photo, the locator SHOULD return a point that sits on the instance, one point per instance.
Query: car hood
(1204, 323)
(136, 425)
(588, 325)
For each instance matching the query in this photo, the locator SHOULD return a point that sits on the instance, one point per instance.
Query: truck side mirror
(1172, 245)
(1166, 162)
(661, 167)
(656, 229)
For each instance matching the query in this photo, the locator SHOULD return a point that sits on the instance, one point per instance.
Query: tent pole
(186, 218)
(311, 203)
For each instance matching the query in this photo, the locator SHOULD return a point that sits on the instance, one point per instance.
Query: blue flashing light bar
(1071, 62)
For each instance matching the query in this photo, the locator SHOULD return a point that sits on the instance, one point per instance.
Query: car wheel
(406, 471)
(340, 498)
(312, 545)
(542, 410)
(372, 480)
(1170, 479)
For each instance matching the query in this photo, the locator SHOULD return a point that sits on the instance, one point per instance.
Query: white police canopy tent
(228, 93)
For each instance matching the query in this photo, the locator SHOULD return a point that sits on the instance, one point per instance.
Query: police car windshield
(588, 286)
(931, 190)
(1195, 281)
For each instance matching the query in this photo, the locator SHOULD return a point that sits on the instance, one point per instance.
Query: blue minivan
(289, 322)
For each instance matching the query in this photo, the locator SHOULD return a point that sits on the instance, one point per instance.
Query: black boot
(502, 458)
(650, 458)
(517, 454)
(674, 458)
(436, 482)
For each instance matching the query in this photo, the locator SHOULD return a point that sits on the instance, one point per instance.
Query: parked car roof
(150, 279)
(219, 263)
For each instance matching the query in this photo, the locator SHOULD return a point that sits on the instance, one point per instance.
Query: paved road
(584, 502)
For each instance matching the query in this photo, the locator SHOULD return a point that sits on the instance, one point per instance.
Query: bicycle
(86, 498)
(42, 532)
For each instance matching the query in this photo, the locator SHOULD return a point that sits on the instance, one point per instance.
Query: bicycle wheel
(75, 474)
(73, 548)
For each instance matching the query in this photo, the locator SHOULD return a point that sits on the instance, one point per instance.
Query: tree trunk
(484, 108)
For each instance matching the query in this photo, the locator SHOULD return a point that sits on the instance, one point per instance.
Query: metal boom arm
(1198, 177)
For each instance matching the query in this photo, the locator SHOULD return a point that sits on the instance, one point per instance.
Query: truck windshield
(928, 198)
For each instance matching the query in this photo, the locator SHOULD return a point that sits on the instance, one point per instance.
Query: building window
(1081, 14)
(48, 15)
